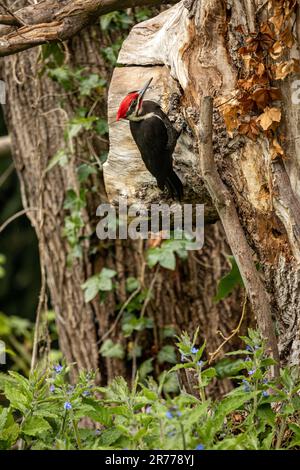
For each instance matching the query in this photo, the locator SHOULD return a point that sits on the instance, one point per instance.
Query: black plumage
(156, 139)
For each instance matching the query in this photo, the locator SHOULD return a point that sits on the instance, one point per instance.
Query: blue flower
(200, 363)
(248, 348)
(97, 432)
(70, 389)
(179, 413)
(52, 388)
(200, 447)
(67, 405)
(248, 359)
(169, 415)
(265, 381)
(265, 394)
(58, 368)
(252, 372)
(194, 350)
(247, 387)
(256, 347)
(148, 409)
(86, 393)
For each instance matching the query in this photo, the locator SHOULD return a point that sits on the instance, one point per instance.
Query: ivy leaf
(132, 284)
(90, 288)
(84, 171)
(110, 349)
(101, 282)
(88, 84)
(78, 124)
(60, 158)
(229, 282)
(167, 354)
(145, 368)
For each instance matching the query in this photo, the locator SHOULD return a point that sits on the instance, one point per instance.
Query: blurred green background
(19, 288)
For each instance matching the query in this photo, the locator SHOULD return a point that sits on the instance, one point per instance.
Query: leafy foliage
(229, 281)
(259, 413)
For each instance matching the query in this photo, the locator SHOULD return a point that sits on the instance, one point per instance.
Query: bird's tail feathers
(174, 185)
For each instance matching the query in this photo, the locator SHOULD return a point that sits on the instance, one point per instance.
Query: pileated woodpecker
(155, 137)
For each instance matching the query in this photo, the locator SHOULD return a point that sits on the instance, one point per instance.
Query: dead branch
(53, 20)
(233, 229)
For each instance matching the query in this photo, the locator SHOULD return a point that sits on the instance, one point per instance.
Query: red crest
(122, 111)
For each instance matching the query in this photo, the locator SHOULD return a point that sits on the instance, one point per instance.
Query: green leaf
(110, 349)
(167, 354)
(35, 425)
(63, 75)
(209, 373)
(18, 400)
(101, 282)
(132, 284)
(88, 84)
(91, 288)
(84, 171)
(60, 158)
(78, 124)
(167, 260)
(101, 126)
(145, 368)
(110, 436)
(229, 282)
(229, 367)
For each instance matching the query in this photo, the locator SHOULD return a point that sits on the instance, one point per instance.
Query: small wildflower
(169, 415)
(67, 405)
(200, 363)
(200, 447)
(58, 368)
(70, 389)
(97, 432)
(194, 350)
(86, 393)
(265, 381)
(52, 388)
(248, 348)
(252, 372)
(182, 357)
(256, 347)
(248, 359)
(179, 413)
(265, 394)
(247, 387)
(148, 410)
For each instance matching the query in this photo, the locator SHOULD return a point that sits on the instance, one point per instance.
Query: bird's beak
(144, 89)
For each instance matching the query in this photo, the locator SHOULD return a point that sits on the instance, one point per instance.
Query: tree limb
(53, 20)
(234, 232)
